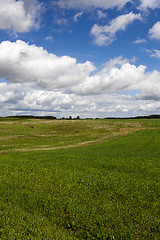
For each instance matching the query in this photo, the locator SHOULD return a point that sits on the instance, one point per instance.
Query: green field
(79, 179)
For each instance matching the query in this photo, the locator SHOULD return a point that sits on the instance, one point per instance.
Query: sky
(87, 58)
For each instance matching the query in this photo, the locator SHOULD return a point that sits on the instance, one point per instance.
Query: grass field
(79, 179)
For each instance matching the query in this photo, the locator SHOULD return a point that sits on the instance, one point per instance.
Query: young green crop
(107, 190)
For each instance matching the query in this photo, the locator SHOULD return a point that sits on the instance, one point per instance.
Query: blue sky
(92, 58)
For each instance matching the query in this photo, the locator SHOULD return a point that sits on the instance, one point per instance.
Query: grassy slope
(106, 191)
(32, 134)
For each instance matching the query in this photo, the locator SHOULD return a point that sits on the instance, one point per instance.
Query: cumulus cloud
(11, 93)
(105, 35)
(23, 99)
(117, 76)
(85, 4)
(19, 16)
(150, 86)
(150, 106)
(24, 63)
(152, 4)
(41, 83)
(154, 32)
(30, 65)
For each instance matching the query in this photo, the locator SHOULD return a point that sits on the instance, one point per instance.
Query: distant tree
(78, 117)
(70, 117)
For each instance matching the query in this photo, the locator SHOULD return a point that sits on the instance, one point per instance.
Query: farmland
(79, 179)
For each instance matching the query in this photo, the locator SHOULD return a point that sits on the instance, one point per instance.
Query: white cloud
(61, 21)
(44, 84)
(23, 99)
(154, 32)
(150, 106)
(105, 35)
(49, 38)
(154, 53)
(150, 86)
(84, 4)
(152, 4)
(11, 93)
(139, 41)
(116, 76)
(19, 16)
(27, 64)
(101, 14)
(77, 16)
(24, 63)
